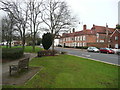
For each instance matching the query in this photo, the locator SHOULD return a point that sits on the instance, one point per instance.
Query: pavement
(5, 66)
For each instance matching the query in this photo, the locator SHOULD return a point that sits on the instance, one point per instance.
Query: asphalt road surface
(107, 58)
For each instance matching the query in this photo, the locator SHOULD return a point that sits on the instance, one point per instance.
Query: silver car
(92, 49)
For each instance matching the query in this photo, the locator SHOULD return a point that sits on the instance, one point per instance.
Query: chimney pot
(73, 29)
(84, 27)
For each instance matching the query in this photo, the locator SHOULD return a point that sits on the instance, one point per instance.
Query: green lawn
(67, 71)
(27, 48)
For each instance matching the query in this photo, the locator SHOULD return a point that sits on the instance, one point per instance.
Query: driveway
(107, 58)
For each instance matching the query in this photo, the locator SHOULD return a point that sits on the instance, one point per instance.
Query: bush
(82, 47)
(47, 53)
(63, 52)
(59, 45)
(12, 53)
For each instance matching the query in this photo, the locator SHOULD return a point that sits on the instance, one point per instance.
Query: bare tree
(5, 32)
(35, 10)
(20, 14)
(8, 29)
(56, 16)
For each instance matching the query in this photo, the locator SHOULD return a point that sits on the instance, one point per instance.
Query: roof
(114, 32)
(102, 29)
(95, 29)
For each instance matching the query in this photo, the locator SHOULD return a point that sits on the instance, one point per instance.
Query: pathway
(5, 66)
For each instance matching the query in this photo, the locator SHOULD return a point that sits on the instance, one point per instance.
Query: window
(72, 38)
(101, 40)
(84, 38)
(116, 45)
(97, 35)
(80, 44)
(116, 37)
(84, 44)
(80, 38)
(75, 38)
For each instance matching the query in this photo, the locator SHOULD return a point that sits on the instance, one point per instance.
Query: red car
(106, 50)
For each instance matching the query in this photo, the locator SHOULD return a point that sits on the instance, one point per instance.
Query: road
(107, 58)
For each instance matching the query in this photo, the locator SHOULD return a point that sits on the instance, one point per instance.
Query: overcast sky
(98, 12)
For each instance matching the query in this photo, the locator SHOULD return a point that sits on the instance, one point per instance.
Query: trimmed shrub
(47, 53)
(12, 53)
(47, 40)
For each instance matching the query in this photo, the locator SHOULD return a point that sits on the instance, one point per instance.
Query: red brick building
(98, 36)
(115, 39)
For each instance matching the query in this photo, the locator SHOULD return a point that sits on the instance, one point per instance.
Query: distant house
(115, 39)
(3, 43)
(13, 43)
(56, 41)
(98, 36)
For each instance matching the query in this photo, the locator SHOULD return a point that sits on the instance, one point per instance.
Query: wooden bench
(22, 64)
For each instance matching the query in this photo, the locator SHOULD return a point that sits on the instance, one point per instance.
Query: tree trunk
(7, 44)
(33, 45)
(10, 42)
(53, 47)
(34, 36)
(23, 43)
(23, 38)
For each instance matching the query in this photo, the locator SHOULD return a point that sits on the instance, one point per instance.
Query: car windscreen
(108, 49)
(93, 47)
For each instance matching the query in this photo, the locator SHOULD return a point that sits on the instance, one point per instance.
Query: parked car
(106, 50)
(117, 51)
(92, 49)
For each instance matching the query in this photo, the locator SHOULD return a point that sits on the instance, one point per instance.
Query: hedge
(85, 47)
(12, 53)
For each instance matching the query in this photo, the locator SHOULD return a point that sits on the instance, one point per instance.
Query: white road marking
(86, 55)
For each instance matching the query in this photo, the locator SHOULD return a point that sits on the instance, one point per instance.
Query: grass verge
(66, 71)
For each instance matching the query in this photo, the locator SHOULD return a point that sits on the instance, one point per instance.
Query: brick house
(102, 36)
(98, 36)
(115, 39)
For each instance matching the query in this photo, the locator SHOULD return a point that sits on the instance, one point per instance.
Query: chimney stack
(73, 30)
(93, 25)
(106, 25)
(84, 27)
